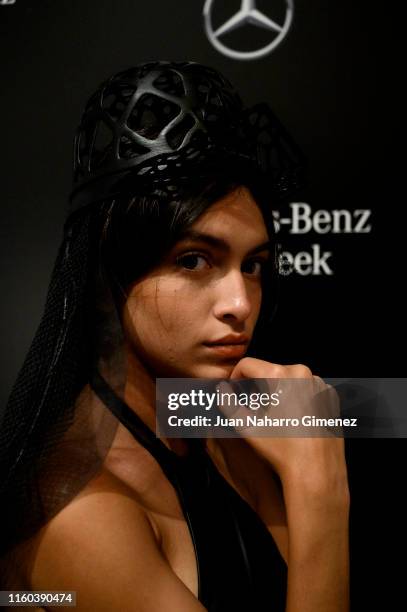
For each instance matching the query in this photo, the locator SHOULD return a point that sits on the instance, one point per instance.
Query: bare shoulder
(103, 546)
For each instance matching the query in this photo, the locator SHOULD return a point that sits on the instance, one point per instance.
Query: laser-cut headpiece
(152, 127)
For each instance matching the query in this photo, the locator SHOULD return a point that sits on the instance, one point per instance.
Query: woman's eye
(254, 267)
(192, 261)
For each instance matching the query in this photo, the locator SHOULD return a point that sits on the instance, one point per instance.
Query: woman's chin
(220, 370)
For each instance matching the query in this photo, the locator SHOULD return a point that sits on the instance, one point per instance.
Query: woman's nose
(232, 299)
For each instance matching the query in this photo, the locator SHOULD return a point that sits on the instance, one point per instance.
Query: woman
(167, 269)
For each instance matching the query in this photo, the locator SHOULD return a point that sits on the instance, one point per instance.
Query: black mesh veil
(56, 432)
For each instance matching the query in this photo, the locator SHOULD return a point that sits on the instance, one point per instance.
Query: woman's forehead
(236, 215)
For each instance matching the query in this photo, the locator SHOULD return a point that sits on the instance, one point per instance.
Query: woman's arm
(318, 546)
(314, 480)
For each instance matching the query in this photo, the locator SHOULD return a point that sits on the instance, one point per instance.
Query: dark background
(335, 83)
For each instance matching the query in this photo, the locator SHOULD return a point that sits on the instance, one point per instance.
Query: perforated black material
(152, 126)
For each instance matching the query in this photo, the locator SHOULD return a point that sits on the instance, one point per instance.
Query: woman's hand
(310, 455)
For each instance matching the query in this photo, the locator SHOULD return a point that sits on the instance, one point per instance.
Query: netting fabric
(54, 433)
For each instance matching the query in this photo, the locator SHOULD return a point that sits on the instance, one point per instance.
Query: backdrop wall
(333, 78)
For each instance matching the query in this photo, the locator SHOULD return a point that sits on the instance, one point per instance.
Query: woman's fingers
(292, 446)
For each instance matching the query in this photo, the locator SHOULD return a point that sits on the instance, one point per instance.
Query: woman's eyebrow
(219, 243)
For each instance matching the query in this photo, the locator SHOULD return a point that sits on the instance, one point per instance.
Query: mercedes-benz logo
(247, 14)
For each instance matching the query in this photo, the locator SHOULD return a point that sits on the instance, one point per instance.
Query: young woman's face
(194, 314)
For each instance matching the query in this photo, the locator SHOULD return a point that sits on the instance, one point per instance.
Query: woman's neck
(139, 389)
(140, 396)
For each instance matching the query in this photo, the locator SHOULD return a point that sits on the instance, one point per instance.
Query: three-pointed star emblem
(247, 14)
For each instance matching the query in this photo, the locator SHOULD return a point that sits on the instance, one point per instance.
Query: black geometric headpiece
(158, 124)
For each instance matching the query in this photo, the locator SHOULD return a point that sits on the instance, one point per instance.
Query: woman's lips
(227, 350)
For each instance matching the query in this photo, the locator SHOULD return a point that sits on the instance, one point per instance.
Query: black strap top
(239, 565)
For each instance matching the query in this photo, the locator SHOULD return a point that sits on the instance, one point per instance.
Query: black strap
(133, 423)
(173, 466)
